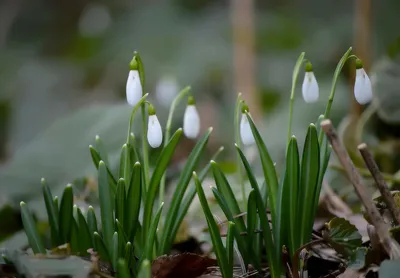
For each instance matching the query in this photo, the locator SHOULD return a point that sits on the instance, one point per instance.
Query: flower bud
(191, 120)
(310, 89)
(154, 131)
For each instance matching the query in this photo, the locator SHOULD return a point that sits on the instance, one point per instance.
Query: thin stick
(390, 246)
(380, 181)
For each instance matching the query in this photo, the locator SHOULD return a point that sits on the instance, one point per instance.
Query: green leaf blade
(120, 201)
(151, 237)
(66, 214)
(159, 170)
(30, 229)
(183, 182)
(106, 206)
(219, 249)
(133, 200)
(91, 222)
(85, 236)
(267, 166)
(309, 183)
(100, 247)
(52, 212)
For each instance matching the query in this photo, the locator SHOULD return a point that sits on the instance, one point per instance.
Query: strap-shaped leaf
(291, 190)
(267, 166)
(120, 201)
(99, 145)
(308, 184)
(273, 252)
(230, 238)
(222, 202)
(65, 214)
(52, 213)
(151, 237)
(125, 163)
(91, 222)
(170, 221)
(85, 237)
(133, 199)
(190, 194)
(96, 160)
(219, 249)
(252, 220)
(30, 229)
(100, 247)
(114, 252)
(106, 206)
(159, 170)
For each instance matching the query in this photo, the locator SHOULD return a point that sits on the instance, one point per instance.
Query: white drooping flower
(362, 86)
(310, 89)
(154, 131)
(134, 90)
(245, 129)
(191, 120)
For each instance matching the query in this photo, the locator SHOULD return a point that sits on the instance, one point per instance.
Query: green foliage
(123, 197)
(292, 196)
(342, 235)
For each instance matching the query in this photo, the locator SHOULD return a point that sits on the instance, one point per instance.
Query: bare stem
(380, 181)
(295, 261)
(390, 246)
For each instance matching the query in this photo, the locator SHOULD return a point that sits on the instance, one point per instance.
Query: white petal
(245, 131)
(362, 87)
(191, 122)
(310, 88)
(134, 90)
(154, 132)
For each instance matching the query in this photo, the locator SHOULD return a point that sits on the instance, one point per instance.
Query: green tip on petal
(245, 107)
(309, 67)
(191, 100)
(133, 65)
(359, 64)
(151, 110)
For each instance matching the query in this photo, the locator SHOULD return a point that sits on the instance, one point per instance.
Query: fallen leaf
(182, 265)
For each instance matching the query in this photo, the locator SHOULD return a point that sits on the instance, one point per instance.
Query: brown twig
(390, 246)
(380, 181)
(295, 262)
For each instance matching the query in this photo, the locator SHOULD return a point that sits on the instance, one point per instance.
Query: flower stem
(174, 103)
(296, 70)
(134, 110)
(145, 147)
(238, 112)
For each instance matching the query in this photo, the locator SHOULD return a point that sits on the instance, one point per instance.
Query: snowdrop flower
(154, 131)
(191, 120)
(245, 130)
(134, 90)
(362, 86)
(310, 87)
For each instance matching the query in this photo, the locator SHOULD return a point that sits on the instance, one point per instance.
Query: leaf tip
(97, 138)
(137, 164)
(21, 204)
(43, 181)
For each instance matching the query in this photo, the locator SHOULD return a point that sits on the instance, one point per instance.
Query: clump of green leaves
(292, 196)
(127, 234)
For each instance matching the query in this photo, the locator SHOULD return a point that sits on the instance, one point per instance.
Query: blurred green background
(64, 66)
